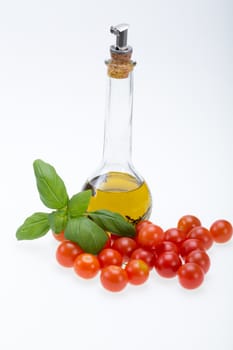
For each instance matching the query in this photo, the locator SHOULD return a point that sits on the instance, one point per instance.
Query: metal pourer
(120, 63)
(121, 32)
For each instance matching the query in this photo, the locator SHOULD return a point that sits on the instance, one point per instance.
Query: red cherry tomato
(125, 245)
(110, 256)
(142, 224)
(86, 265)
(145, 255)
(174, 235)
(189, 245)
(166, 246)
(67, 252)
(59, 236)
(199, 257)
(150, 236)
(221, 231)
(190, 275)
(203, 235)
(113, 278)
(114, 237)
(167, 264)
(137, 271)
(187, 222)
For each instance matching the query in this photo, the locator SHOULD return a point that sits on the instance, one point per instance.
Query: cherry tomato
(59, 236)
(221, 231)
(125, 245)
(199, 257)
(145, 255)
(189, 245)
(137, 271)
(190, 275)
(67, 252)
(114, 237)
(113, 278)
(166, 246)
(86, 265)
(167, 264)
(110, 256)
(203, 235)
(174, 235)
(142, 224)
(150, 236)
(187, 222)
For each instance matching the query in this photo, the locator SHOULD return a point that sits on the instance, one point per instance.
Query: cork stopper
(120, 64)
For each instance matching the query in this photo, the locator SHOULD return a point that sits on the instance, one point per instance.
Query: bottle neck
(118, 122)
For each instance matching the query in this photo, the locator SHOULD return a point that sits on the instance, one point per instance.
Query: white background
(52, 95)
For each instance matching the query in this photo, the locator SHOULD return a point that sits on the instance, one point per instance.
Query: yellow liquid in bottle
(121, 193)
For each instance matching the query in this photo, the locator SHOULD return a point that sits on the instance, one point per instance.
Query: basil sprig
(58, 220)
(112, 222)
(51, 187)
(34, 226)
(87, 229)
(78, 204)
(89, 236)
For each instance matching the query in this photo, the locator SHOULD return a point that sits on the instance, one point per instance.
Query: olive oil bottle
(116, 185)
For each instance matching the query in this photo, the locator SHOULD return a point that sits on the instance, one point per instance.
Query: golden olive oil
(121, 193)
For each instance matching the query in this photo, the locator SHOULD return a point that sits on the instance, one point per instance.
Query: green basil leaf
(89, 236)
(78, 204)
(35, 226)
(51, 187)
(112, 222)
(57, 221)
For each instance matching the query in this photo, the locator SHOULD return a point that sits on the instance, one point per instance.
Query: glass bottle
(116, 185)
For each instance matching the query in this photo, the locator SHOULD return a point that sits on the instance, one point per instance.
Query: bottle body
(120, 192)
(116, 185)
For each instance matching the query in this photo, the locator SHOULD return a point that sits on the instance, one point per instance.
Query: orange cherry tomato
(137, 271)
(150, 236)
(59, 236)
(67, 252)
(113, 278)
(86, 265)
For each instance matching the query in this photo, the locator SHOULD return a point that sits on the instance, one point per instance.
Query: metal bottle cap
(121, 32)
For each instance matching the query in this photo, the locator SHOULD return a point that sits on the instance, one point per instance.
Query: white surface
(52, 94)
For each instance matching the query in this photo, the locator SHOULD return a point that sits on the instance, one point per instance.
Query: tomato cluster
(179, 251)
